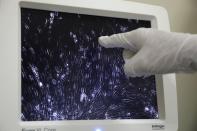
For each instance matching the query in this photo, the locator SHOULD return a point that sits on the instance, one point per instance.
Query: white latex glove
(150, 51)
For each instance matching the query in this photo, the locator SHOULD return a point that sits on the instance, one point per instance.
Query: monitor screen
(67, 75)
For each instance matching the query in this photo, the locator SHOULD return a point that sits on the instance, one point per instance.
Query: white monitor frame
(10, 71)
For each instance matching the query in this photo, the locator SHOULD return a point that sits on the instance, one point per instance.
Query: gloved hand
(150, 51)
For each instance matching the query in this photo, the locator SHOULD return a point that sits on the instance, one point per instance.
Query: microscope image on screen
(67, 75)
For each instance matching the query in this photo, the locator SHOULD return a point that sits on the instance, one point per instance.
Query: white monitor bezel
(11, 66)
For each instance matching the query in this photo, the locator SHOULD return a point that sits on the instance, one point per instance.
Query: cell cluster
(67, 75)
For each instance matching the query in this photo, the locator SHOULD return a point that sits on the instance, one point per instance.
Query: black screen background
(67, 75)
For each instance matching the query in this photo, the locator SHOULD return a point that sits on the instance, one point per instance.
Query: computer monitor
(56, 77)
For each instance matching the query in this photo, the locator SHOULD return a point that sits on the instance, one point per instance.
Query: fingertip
(114, 41)
(103, 41)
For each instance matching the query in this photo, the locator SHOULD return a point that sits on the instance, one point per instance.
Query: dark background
(67, 75)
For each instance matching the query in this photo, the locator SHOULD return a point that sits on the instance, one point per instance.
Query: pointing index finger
(117, 40)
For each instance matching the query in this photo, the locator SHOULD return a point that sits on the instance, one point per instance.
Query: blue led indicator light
(98, 129)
